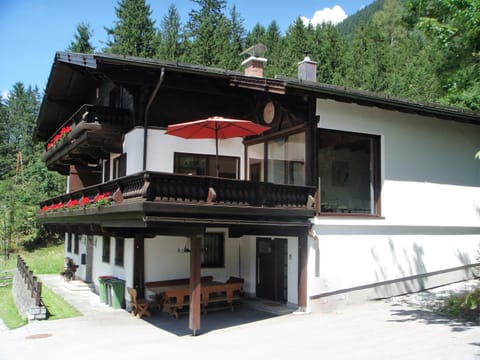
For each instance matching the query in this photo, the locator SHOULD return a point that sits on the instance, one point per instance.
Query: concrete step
(78, 285)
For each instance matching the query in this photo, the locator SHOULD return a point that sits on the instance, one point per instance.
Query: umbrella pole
(217, 170)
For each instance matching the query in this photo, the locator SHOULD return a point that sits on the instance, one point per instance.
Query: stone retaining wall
(24, 301)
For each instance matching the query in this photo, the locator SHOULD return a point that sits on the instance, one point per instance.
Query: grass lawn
(47, 260)
(8, 311)
(42, 261)
(57, 308)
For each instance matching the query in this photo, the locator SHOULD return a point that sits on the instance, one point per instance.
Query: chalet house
(349, 195)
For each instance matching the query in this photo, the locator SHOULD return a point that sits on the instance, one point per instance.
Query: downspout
(145, 124)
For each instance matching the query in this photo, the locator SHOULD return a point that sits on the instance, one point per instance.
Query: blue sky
(31, 31)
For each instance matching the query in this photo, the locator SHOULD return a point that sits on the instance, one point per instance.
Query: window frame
(69, 242)
(119, 259)
(106, 250)
(209, 158)
(265, 140)
(376, 176)
(217, 263)
(76, 244)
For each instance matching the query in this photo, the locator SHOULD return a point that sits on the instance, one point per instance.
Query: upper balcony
(89, 135)
(154, 202)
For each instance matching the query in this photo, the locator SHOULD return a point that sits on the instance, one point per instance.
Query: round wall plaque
(269, 112)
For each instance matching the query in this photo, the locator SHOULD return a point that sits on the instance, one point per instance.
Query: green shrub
(465, 306)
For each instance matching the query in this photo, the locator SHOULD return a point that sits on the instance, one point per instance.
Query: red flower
(84, 201)
(63, 132)
(71, 203)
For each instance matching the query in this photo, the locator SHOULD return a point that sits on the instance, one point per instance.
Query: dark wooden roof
(74, 75)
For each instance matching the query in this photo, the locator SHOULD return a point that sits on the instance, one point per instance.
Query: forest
(422, 50)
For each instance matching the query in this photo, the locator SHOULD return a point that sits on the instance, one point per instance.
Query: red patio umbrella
(216, 127)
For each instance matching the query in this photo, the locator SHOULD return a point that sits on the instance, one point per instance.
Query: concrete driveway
(399, 328)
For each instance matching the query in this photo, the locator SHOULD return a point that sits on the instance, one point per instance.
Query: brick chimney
(307, 69)
(253, 65)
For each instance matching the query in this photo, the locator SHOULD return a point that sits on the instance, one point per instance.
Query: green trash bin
(118, 293)
(102, 288)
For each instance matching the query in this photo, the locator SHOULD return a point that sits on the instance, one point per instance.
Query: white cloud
(5, 94)
(333, 15)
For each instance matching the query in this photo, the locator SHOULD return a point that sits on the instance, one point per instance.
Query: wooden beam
(195, 284)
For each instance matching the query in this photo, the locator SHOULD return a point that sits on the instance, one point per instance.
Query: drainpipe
(145, 124)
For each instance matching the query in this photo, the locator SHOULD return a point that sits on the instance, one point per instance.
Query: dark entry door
(272, 269)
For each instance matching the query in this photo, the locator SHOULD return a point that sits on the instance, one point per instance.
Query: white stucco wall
(430, 201)
(161, 149)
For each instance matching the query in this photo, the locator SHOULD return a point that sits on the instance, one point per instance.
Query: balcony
(154, 203)
(89, 135)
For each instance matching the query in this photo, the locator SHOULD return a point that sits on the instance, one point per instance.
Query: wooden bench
(217, 295)
(221, 296)
(158, 287)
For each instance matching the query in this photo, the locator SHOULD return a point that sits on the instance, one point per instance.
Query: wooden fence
(33, 284)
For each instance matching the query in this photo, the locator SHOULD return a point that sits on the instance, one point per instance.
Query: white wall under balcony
(161, 149)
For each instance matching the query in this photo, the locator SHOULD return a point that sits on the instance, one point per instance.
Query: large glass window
(256, 155)
(286, 160)
(349, 172)
(204, 165)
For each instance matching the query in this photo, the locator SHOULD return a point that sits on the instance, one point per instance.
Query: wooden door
(272, 269)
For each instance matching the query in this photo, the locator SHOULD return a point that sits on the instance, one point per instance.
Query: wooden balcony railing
(166, 187)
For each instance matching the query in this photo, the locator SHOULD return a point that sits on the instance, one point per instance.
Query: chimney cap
(307, 60)
(255, 51)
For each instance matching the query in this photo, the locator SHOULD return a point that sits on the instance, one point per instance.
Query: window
(106, 249)
(76, 244)
(69, 242)
(256, 155)
(199, 164)
(119, 166)
(119, 251)
(284, 160)
(349, 172)
(213, 250)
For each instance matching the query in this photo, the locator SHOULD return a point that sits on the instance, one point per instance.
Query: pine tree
(201, 30)
(455, 28)
(298, 41)
(133, 32)
(18, 122)
(328, 50)
(81, 42)
(256, 36)
(170, 35)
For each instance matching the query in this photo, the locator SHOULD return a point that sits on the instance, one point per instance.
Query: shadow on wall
(407, 266)
(465, 259)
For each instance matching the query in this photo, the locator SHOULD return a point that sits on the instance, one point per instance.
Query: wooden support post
(195, 284)
(302, 269)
